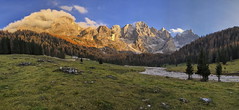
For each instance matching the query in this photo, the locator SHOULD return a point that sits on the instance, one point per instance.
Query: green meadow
(103, 87)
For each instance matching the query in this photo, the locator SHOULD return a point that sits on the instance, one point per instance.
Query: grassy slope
(230, 67)
(38, 87)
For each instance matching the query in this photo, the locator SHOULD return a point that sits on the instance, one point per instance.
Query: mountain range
(137, 37)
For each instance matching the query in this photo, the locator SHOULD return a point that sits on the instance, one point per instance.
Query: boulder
(70, 70)
(40, 60)
(24, 64)
(112, 77)
(183, 100)
(206, 100)
(165, 105)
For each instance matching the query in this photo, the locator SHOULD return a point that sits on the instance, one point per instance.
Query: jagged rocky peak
(163, 29)
(116, 28)
(164, 34)
(141, 25)
(128, 28)
(142, 29)
(103, 33)
(116, 32)
(102, 29)
(185, 38)
(127, 31)
(88, 33)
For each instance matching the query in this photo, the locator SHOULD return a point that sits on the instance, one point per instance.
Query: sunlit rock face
(142, 38)
(137, 37)
(116, 32)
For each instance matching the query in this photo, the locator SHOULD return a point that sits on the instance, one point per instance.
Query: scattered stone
(112, 77)
(165, 106)
(183, 100)
(157, 90)
(206, 100)
(145, 100)
(40, 60)
(145, 107)
(141, 108)
(25, 64)
(92, 67)
(70, 70)
(89, 82)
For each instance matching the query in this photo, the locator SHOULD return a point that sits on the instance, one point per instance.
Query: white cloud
(90, 23)
(55, 3)
(80, 9)
(178, 30)
(67, 8)
(42, 19)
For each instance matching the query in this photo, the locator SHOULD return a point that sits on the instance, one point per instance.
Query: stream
(162, 72)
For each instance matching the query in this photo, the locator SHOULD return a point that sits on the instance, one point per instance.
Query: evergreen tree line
(223, 45)
(29, 42)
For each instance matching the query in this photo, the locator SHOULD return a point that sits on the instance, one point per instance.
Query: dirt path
(162, 72)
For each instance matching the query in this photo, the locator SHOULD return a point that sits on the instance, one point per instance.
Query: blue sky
(203, 16)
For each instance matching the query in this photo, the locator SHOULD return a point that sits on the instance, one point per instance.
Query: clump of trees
(189, 70)
(203, 66)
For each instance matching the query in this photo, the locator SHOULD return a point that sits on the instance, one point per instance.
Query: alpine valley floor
(102, 87)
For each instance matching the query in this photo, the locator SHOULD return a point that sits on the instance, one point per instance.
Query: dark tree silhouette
(219, 71)
(203, 66)
(189, 70)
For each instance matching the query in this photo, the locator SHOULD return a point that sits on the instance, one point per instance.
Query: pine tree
(189, 70)
(203, 66)
(219, 71)
(100, 61)
(81, 60)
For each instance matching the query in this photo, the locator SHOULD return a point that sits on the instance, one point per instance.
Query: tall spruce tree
(219, 71)
(189, 70)
(203, 66)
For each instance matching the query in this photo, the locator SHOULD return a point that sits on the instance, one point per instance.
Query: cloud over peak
(80, 9)
(67, 8)
(45, 19)
(42, 19)
(177, 30)
(89, 23)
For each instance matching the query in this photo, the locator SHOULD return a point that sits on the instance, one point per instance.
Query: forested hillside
(29, 42)
(222, 46)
